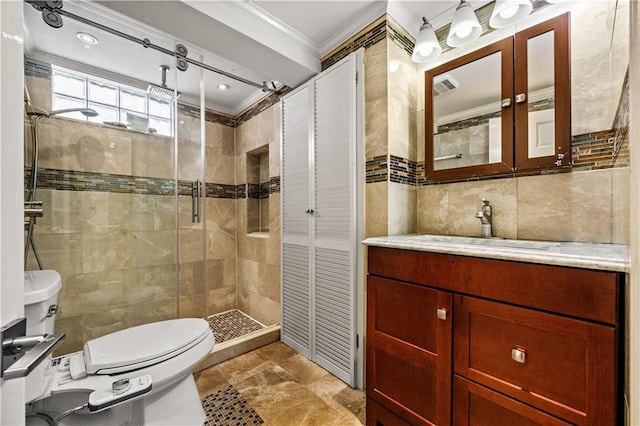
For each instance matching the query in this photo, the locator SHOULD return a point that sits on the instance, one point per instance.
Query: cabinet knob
(442, 314)
(518, 355)
(521, 97)
(505, 102)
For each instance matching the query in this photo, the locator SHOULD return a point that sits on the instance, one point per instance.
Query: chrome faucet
(485, 217)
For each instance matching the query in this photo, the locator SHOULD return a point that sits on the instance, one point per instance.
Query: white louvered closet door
(296, 242)
(334, 220)
(319, 233)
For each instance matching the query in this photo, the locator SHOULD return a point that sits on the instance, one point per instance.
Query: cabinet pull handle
(521, 97)
(506, 102)
(518, 355)
(442, 314)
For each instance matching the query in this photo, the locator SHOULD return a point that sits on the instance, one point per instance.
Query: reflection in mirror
(467, 114)
(541, 101)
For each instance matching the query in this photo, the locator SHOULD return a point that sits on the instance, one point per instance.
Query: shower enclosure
(141, 212)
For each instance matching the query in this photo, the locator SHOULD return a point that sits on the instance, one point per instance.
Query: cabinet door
(296, 239)
(377, 415)
(479, 406)
(334, 220)
(560, 365)
(543, 95)
(409, 350)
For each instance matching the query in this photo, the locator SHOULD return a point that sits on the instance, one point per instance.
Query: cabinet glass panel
(467, 115)
(541, 100)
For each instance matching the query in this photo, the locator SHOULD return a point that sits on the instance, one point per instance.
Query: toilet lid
(143, 345)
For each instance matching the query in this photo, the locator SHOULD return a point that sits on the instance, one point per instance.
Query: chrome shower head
(87, 112)
(162, 92)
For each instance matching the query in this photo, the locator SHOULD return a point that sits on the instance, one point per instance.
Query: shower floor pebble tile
(232, 324)
(284, 388)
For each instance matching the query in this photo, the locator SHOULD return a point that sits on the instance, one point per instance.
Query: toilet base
(177, 404)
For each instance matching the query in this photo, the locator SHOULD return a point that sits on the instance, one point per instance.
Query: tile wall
(110, 218)
(589, 204)
(259, 254)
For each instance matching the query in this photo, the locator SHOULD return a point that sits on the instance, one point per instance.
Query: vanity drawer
(477, 405)
(564, 366)
(582, 293)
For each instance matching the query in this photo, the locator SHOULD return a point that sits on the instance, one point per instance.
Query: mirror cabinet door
(542, 87)
(469, 114)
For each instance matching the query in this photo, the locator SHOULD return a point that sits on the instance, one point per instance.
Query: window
(112, 101)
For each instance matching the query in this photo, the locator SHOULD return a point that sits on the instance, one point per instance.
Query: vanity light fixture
(223, 86)
(427, 45)
(87, 38)
(506, 12)
(465, 26)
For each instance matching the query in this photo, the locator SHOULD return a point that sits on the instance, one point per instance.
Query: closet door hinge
(356, 77)
(357, 341)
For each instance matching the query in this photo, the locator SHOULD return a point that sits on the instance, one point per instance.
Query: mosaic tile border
(590, 151)
(72, 180)
(377, 169)
(228, 407)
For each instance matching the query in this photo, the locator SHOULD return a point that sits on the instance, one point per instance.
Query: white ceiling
(280, 41)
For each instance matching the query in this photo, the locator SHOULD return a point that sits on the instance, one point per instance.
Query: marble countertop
(605, 257)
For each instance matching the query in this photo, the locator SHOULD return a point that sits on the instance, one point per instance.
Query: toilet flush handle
(21, 354)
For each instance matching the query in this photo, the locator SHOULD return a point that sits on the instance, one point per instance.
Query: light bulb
(426, 51)
(509, 12)
(464, 32)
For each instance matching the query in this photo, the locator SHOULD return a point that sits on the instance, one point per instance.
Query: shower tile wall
(115, 249)
(110, 218)
(259, 258)
(221, 212)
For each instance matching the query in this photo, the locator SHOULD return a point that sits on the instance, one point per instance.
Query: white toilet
(137, 376)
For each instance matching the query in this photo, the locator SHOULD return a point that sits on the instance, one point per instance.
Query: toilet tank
(40, 300)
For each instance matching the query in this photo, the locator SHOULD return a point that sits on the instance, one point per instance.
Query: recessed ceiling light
(87, 38)
(223, 86)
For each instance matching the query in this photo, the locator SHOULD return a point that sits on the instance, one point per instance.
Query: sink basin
(491, 242)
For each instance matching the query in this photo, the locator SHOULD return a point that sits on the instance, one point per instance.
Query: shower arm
(147, 44)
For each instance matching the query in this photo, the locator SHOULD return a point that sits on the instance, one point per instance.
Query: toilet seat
(142, 346)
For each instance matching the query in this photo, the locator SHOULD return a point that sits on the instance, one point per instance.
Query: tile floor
(283, 388)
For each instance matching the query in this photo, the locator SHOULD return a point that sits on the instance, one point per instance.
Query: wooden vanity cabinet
(461, 340)
(409, 350)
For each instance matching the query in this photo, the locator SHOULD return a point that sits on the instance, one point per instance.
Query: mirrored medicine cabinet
(502, 108)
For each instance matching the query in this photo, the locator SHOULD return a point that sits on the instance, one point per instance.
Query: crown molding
(407, 20)
(356, 26)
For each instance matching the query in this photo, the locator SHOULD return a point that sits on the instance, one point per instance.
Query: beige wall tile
(402, 209)
(376, 209)
(620, 232)
(450, 209)
(402, 104)
(433, 209)
(62, 252)
(221, 300)
(376, 128)
(73, 145)
(264, 310)
(465, 199)
(105, 252)
(566, 207)
(153, 156)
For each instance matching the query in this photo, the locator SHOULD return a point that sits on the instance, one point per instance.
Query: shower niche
(257, 163)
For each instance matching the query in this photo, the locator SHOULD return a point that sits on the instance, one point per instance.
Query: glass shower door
(192, 192)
